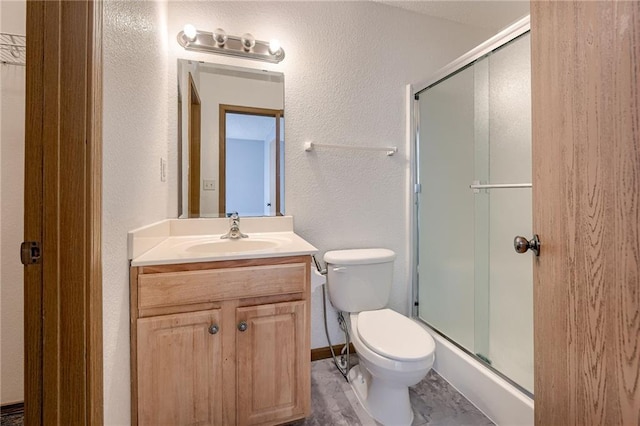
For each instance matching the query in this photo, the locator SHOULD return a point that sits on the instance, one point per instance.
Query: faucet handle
(234, 216)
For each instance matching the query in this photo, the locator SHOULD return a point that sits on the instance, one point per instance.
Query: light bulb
(274, 46)
(220, 36)
(190, 32)
(248, 41)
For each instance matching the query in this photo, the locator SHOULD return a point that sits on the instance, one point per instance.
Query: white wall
(134, 139)
(245, 176)
(346, 68)
(12, 97)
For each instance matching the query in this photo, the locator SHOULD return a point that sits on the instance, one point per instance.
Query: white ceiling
(492, 15)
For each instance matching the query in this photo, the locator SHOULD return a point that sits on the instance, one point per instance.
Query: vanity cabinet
(269, 358)
(179, 369)
(221, 343)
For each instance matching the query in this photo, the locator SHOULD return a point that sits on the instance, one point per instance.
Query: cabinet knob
(242, 326)
(213, 329)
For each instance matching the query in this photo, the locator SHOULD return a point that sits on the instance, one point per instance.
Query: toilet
(394, 351)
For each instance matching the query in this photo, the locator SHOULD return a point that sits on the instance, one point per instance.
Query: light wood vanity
(221, 342)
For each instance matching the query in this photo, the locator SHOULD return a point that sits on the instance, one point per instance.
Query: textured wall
(135, 137)
(12, 89)
(346, 68)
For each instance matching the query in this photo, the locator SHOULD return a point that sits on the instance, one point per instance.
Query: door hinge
(417, 188)
(30, 252)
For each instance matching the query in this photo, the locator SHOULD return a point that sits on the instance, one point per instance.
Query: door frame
(194, 136)
(222, 152)
(63, 208)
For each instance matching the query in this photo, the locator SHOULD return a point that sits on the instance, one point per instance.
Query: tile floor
(11, 418)
(435, 402)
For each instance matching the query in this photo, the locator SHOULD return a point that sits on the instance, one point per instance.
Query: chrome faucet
(234, 229)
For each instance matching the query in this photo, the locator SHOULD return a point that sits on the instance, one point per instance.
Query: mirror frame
(189, 174)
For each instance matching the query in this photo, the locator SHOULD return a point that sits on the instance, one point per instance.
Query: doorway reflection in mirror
(230, 140)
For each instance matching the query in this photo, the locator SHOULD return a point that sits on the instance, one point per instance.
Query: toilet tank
(359, 279)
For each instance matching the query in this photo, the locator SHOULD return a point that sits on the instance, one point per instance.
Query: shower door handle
(521, 244)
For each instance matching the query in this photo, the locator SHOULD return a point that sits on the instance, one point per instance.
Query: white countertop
(186, 240)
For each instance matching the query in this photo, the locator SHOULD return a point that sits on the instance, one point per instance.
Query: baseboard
(323, 353)
(9, 409)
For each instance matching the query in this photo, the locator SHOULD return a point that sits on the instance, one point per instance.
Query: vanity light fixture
(274, 46)
(190, 32)
(248, 41)
(219, 42)
(220, 37)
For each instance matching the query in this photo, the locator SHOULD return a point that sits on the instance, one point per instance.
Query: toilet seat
(394, 336)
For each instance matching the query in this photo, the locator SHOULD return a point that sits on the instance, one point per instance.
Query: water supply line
(343, 363)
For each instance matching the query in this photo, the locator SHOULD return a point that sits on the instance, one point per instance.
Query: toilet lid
(394, 336)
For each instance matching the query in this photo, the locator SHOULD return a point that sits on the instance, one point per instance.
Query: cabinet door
(274, 363)
(179, 369)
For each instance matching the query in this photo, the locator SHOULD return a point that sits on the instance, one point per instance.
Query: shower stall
(473, 196)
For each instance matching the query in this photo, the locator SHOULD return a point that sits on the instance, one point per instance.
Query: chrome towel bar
(476, 185)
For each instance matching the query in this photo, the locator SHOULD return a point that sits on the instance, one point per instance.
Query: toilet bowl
(394, 353)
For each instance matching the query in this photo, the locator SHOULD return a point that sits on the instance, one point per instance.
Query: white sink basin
(175, 241)
(232, 246)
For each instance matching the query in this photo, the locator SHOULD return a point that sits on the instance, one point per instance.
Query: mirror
(230, 140)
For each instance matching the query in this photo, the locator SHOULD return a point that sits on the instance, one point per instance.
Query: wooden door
(586, 162)
(194, 133)
(63, 163)
(273, 363)
(180, 369)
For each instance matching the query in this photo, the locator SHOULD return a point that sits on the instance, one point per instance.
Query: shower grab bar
(477, 186)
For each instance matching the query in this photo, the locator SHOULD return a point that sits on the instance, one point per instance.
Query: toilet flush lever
(339, 269)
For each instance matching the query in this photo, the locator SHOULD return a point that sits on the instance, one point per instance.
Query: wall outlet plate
(209, 184)
(163, 170)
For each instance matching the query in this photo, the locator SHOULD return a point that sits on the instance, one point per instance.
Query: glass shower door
(446, 208)
(475, 128)
(510, 212)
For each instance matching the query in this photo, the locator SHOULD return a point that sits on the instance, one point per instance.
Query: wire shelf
(13, 49)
